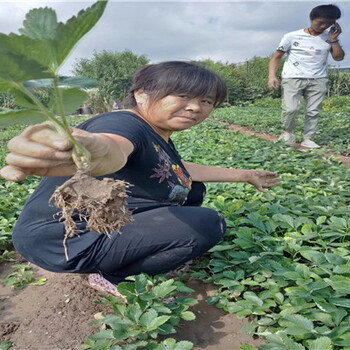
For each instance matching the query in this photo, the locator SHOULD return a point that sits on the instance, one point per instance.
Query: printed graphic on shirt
(178, 183)
(306, 55)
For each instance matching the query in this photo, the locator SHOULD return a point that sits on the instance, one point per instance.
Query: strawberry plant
(22, 277)
(32, 60)
(284, 260)
(333, 130)
(151, 310)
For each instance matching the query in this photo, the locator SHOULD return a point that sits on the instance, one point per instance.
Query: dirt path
(56, 316)
(272, 138)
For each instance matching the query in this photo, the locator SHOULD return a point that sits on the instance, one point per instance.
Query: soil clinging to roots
(101, 203)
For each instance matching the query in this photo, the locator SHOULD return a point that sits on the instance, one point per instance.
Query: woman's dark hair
(176, 77)
(325, 11)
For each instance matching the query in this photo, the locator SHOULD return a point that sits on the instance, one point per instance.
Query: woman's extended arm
(39, 150)
(257, 178)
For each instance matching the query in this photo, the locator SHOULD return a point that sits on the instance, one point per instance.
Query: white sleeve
(285, 43)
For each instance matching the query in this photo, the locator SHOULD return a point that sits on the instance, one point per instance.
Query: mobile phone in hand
(334, 28)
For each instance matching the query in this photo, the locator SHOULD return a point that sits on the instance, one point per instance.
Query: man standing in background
(305, 70)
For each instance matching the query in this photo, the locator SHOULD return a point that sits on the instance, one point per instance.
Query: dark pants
(160, 240)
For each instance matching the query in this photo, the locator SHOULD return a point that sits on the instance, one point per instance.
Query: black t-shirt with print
(154, 169)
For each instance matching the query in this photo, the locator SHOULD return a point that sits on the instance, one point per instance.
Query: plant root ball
(101, 203)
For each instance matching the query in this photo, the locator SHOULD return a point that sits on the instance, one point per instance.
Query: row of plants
(330, 104)
(284, 262)
(333, 133)
(154, 308)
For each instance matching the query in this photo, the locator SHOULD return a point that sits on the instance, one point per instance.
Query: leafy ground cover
(333, 132)
(285, 260)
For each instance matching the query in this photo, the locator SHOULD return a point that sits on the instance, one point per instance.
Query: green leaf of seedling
(283, 342)
(72, 98)
(164, 289)
(24, 100)
(58, 39)
(147, 318)
(41, 24)
(314, 256)
(134, 312)
(183, 345)
(76, 27)
(222, 247)
(63, 82)
(344, 302)
(248, 347)
(253, 298)
(320, 220)
(170, 344)
(82, 82)
(127, 289)
(17, 65)
(5, 345)
(104, 334)
(339, 283)
(339, 315)
(181, 287)
(188, 316)
(21, 116)
(158, 321)
(322, 343)
(301, 322)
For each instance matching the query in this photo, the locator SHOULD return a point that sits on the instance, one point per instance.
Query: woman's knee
(213, 227)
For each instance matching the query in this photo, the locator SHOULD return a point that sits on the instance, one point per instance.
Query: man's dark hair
(325, 11)
(176, 78)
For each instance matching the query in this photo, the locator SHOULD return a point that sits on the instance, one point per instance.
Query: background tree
(114, 71)
(235, 82)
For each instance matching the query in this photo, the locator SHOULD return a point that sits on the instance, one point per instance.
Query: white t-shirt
(306, 55)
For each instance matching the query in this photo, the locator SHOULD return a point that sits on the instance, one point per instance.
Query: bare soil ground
(56, 316)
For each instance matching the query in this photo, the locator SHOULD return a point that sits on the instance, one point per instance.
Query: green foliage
(7, 101)
(334, 128)
(113, 70)
(336, 104)
(235, 84)
(246, 82)
(150, 312)
(22, 277)
(38, 54)
(268, 102)
(5, 345)
(339, 82)
(285, 260)
(97, 103)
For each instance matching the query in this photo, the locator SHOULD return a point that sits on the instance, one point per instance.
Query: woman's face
(174, 112)
(319, 25)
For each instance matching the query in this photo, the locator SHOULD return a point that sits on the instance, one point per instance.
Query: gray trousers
(314, 92)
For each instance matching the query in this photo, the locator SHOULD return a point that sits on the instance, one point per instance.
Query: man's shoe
(310, 144)
(287, 138)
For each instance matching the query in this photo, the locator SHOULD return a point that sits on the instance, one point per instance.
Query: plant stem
(81, 156)
(43, 108)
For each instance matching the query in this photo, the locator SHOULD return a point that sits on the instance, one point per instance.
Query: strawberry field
(333, 132)
(284, 262)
